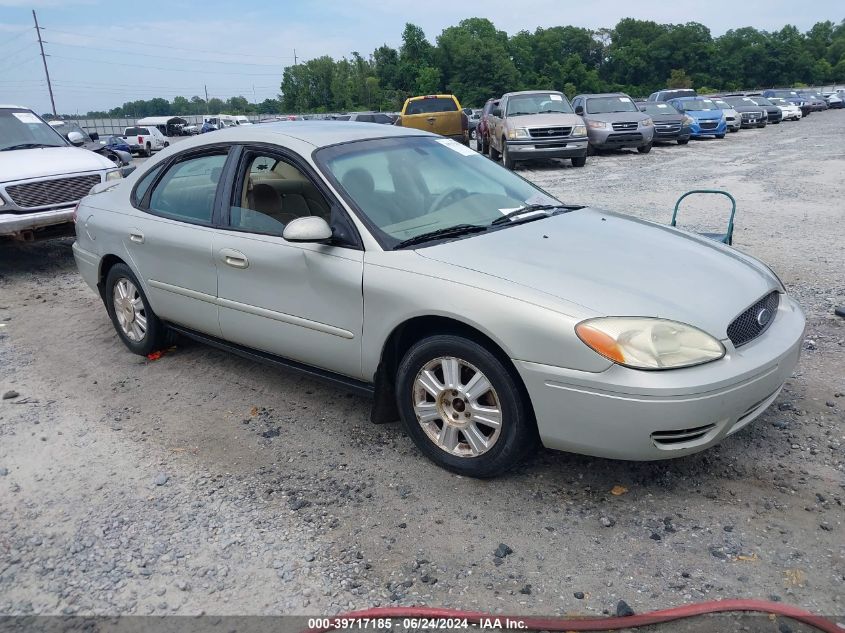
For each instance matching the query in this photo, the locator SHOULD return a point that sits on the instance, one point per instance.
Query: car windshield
(656, 108)
(760, 101)
(778, 101)
(740, 101)
(722, 105)
(606, 105)
(538, 103)
(698, 105)
(410, 186)
(427, 105)
(21, 129)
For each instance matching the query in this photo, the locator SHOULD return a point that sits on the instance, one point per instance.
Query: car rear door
(170, 242)
(302, 301)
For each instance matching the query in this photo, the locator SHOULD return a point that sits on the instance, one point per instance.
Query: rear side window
(187, 189)
(435, 104)
(366, 118)
(134, 131)
(144, 185)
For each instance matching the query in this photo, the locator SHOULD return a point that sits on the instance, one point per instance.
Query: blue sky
(105, 53)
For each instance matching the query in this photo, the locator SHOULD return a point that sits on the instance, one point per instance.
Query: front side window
(539, 103)
(273, 193)
(187, 189)
(414, 185)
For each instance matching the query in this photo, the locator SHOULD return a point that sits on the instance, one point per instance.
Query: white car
(42, 175)
(145, 140)
(789, 110)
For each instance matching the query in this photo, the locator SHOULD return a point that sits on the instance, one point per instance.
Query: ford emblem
(763, 317)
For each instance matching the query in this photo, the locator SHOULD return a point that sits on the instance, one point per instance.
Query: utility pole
(206, 99)
(294, 53)
(44, 59)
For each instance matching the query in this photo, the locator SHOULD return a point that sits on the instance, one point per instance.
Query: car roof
(437, 96)
(602, 94)
(698, 98)
(10, 106)
(316, 133)
(530, 92)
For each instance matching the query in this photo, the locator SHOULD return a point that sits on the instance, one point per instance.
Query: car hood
(549, 119)
(668, 118)
(616, 117)
(705, 115)
(616, 265)
(49, 161)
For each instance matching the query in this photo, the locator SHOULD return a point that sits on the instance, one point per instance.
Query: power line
(18, 64)
(172, 69)
(25, 31)
(178, 48)
(181, 59)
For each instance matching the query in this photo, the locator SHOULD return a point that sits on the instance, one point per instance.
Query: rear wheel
(148, 150)
(579, 161)
(133, 318)
(644, 149)
(463, 408)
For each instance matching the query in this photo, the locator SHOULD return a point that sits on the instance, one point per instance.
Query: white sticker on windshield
(26, 117)
(624, 99)
(463, 150)
(555, 97)
(662, 105)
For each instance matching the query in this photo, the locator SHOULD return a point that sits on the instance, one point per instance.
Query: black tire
(761, 125)
(507, 159)
(579, 161)
(644, 149)
(591, 150)
(734, 129)
(494, 154)
(683, 141)
(148, 151)
(156, 335)
(720, 136)
(518, 432)
(485, 146)
(167, 143)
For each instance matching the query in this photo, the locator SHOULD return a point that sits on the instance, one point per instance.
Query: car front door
(302, 301)
(170, 242)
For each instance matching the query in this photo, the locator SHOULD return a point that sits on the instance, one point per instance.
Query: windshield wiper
(533, 208)
(27, 146)
(518, 113)
(450, 231)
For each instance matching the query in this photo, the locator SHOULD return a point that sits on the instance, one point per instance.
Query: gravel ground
(202, 482)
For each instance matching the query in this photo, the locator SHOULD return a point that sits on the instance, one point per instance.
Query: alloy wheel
(457, 407)
(129, 310)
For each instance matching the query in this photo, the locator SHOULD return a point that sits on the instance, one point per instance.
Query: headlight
(579, 130)
(649, 343)
(113, 175)
(2, 202)
(688, 119)
(598, 125)
(518, 132)
(646, 123)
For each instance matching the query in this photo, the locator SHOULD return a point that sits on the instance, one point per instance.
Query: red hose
(596, 624)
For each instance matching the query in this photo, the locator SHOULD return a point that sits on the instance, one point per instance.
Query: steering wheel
(450, 196)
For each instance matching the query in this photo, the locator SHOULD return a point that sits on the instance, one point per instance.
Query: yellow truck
(441, 114)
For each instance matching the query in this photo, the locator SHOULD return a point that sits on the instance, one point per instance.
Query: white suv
(42, 175)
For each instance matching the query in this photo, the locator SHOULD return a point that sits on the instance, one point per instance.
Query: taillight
(140, 140)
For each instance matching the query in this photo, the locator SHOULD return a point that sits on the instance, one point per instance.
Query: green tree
(678, 79)
(180, 105)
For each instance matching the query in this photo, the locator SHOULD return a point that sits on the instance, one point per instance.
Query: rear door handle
(136, 236)
(234, 258)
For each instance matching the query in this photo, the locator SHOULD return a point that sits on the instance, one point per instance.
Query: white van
(220, 121)
(42, 175)
(242, 119)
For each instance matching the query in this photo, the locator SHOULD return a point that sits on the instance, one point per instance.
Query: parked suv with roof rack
(536, 124)
(671, 93)
(614, 121)
(42, 175)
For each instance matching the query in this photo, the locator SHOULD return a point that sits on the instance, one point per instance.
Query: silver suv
(536, 124)
(614, 121)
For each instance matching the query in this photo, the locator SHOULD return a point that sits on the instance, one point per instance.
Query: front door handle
(136, 236)
(234, 258)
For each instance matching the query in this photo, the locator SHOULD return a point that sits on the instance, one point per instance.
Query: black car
(752, 114)
(816, 101)
(669, 124)
(774, 113)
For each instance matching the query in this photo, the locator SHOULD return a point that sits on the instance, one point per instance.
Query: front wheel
(644, 149)
(463, 408)
(720, 136)
(507, 159)
(579, 161)
(130, 312)
(683, 141)
(492, 152)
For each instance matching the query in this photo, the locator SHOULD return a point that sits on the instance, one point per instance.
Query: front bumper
(698, 132)
(16, 223)
(612, 139)
(648, 415)
(558, 148)
(673, 133)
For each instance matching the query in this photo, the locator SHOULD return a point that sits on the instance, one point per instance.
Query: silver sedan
(482, 312)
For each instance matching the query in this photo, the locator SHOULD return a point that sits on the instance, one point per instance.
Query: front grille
(624, 137)
(682, 436)
(709, 125)
(751, 323)
(547, 132)
(625, 126)
(752, 115)
(52, 192)
(668, 128)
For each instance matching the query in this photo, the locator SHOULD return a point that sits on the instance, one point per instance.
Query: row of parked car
(544, 124)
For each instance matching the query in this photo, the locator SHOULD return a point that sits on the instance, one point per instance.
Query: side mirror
(95, 136)
(579, 110)
(127, 170)
(311, 228)
(497, 112)
(76, 138)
